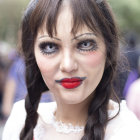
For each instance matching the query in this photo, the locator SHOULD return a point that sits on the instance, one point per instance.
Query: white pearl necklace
(66, 128)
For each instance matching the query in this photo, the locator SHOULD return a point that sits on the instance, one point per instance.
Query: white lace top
(123, 127)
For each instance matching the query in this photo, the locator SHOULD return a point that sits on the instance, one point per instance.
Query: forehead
(65, 22)
(65, 18)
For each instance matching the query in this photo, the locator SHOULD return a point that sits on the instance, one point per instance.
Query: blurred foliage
(11, 11)
(10, 16)
(127, 14)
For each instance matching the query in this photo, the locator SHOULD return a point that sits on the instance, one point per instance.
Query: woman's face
(71, 66)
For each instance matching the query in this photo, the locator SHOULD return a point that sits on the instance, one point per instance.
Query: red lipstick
(70, 83)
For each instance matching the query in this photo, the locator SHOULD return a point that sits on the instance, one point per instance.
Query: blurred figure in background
(133, 96)
(132, 55)
(15, 87)
(4, 66)
(128, 70)
(2, 82)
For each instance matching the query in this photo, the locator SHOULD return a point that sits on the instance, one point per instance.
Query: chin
(72, 98)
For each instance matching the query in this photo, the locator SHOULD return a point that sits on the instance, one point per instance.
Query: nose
(68, 62)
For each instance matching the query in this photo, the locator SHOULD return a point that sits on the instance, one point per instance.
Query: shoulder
(124, 126)
(17, 117)
(15, 122)
(125, 116)
(46, 111)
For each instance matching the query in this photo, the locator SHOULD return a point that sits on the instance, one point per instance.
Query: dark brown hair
(97, 16)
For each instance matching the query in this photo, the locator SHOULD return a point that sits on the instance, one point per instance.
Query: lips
(70, 83)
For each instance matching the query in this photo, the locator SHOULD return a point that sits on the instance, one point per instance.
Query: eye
(48, 47)
(87, 45)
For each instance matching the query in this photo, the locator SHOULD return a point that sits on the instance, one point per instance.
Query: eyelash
(43, 46)
(92, 47)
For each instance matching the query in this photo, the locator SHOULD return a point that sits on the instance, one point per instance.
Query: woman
(70, 48)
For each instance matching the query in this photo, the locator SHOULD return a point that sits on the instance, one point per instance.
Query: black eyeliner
(93, 47)
(43, 45)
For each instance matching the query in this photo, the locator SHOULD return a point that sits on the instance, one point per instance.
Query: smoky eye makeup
(86, 45)
(48, 48)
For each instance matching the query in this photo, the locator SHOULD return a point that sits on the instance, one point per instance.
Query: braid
(31, 120)
(35, 86)
(97, 119)
(98, 109)
(34, 81)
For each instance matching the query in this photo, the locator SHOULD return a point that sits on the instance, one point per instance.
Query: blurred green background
(127, 13)
(10, 16)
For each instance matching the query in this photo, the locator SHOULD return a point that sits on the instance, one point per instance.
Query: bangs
(83, 11)
(96, 16)
(84, 14)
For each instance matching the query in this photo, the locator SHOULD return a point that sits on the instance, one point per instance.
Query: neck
(76, 114)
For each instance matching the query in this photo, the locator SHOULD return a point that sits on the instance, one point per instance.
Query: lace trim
(39, 131)
(66, 128)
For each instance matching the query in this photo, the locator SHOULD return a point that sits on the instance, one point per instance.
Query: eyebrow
(43, 36)
(76, 37)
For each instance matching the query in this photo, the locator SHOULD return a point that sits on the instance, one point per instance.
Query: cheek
(47, 72)
(44, 66)
(95, 59)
